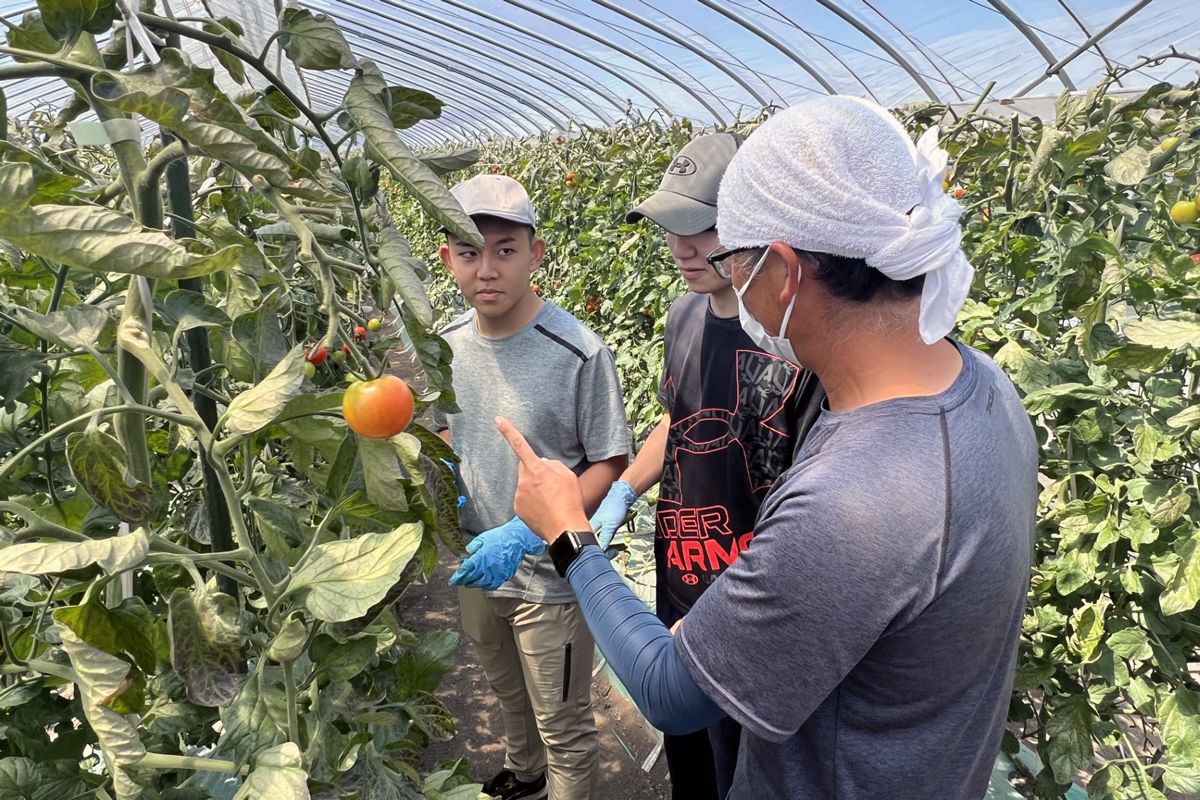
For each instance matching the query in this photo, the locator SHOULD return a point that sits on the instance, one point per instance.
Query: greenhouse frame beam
(610, 99)
(765, 78)
(432, 56)
(509, 127)
(496, 123)
(569, 25)
(884, 45)
(832, 53)
(1035, 40)
(653, 98)
(546, 111)
(918, 47)
(682, 42)
(774, 41)
(582, 78)
(1091, 40)
(326, 93)
(646, 41)
(1071, 13)
(453, 68)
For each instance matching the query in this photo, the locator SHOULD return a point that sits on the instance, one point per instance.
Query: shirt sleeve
(600, 409)
(639, 648)
(664, 388)
(786, 623)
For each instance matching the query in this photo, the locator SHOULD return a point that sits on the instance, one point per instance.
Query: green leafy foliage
(197, 564)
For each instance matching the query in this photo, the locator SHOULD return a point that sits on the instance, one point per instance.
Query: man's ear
(793, 265)
(444, 255)
(537, 251)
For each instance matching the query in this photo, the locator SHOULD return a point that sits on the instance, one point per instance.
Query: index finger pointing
(517, 442)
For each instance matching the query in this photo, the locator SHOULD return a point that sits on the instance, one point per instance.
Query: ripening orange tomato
(378, 409)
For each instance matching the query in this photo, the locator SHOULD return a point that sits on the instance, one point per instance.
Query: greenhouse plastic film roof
(519, 67)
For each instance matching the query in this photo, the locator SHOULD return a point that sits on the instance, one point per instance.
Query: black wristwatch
(565, 549)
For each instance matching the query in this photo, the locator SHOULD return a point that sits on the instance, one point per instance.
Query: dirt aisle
(625, 740)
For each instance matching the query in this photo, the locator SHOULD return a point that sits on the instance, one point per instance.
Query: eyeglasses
(716, 258)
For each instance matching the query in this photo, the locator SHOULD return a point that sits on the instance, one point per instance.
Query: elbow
(673, 726)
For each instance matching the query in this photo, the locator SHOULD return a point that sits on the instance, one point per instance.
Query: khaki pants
(538, 661)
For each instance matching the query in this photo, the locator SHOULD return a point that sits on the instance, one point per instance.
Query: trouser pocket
(566, 682)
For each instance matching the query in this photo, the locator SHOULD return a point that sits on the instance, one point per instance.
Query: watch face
(565, 548)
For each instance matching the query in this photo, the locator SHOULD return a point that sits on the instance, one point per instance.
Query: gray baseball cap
(686, 200)
(495, 196)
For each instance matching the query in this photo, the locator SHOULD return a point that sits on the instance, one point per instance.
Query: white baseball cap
(495, 196)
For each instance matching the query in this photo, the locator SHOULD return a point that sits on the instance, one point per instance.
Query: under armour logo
(682, 166)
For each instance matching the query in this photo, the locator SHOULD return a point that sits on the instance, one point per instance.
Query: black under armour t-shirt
(738, 415)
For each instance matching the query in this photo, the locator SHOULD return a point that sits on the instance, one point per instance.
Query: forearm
(594, 482)
(646, 469)
(639, 648)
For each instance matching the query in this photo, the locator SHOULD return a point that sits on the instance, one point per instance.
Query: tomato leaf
(366, 109)
(256, 720)
(1130, 167)
(102, 240)
(314, 41)
(1179, 716)
(1183, 592)
(288, 644)
(407, 107)
(25, 779)
(97, 461)
(382, 473)
(74, 328)
(1069, 731)
(188, 309)
(101, 677)
(129, 628)
(259, 406)
(205, 645)
(342, 580)
(401, 267)
(114, 555)
(64, 19)
(1168, 334)
(279, 528)
(443, 162)
(276, 773)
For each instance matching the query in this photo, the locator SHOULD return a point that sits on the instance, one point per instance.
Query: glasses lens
(716, 261)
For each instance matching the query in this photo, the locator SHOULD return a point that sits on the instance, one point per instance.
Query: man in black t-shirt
(734, 415)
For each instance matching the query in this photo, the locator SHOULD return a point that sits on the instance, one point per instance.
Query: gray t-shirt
(557, 382)
(867, 638)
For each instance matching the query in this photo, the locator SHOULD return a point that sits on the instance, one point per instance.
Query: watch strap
(566, 547)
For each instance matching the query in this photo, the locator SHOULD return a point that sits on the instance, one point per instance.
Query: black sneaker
(504, 785)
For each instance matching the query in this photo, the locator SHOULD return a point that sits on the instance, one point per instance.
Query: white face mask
(775, 345)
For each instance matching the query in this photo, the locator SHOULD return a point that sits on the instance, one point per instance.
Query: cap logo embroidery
(682, 166)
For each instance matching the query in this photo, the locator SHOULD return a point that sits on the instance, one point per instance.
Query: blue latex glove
(612, 512)
(495, 555)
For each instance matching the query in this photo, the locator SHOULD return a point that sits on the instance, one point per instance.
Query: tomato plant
(198, 560)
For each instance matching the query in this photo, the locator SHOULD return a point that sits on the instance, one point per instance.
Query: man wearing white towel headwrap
(866, 641)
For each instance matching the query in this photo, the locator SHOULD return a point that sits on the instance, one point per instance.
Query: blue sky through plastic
(504, 68)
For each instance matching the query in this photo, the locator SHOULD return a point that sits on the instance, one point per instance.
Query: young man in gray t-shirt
(519, 356)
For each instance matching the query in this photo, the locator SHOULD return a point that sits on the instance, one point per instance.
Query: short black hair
(530, 228)
(853, 280)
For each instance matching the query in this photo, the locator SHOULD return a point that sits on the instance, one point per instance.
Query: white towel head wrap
(840, 175)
